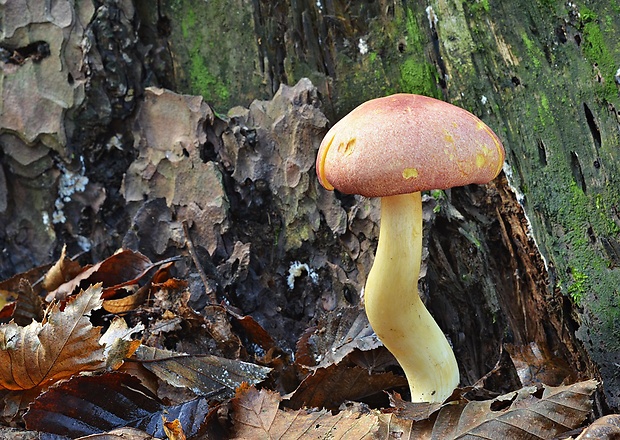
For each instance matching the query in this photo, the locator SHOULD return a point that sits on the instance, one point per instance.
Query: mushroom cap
(406, 143)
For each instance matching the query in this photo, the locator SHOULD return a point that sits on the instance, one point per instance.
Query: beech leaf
(330, 387)
(256, 415)
(118, 342)
(529, 413)
(65, 343)
(87, 405)
(205, 375)
(61, 272)
(607, 427)
(120, 434)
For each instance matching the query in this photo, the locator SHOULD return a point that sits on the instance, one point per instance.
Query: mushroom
(395, 147)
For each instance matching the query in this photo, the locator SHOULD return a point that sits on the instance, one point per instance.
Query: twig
(203, 276)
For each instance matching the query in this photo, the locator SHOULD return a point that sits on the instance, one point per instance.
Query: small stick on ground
(203, 276)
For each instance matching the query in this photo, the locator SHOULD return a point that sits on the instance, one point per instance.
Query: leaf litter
(78, 370)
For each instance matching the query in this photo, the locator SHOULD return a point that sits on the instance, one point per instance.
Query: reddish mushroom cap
(407, 143)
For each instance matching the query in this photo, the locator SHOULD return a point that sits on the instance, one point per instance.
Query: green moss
(577, 289)
(187, 23)
(595, 49)
(587, 15)
(534, 52)
(546, 118)
(479, 6)
(204, 82)
(418, 77)
(548, 3)
(416, 74)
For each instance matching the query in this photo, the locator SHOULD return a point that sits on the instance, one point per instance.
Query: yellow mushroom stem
(395, 310)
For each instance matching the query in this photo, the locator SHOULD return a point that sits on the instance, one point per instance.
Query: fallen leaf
(205, 375)
(344, 331)
(62, 271)
(118, 342)
(256, 415)
(530, 413)
(330, 387)
(87, 405)
(257, 337)
(173, 430)
(125, 268)
(28, 305)
(414, 411)
(394, 427)
(66, 343)
(605, 428)
(10, 287)
(535, 363)
(129, 302)
(13, 404)
(120, 434)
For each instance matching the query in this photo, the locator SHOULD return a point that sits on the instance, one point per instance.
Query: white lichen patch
(362, 45)
(296, 270)
(69, 183)
(521, 199)
(432, 17)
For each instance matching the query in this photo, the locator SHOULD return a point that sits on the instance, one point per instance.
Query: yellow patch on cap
(347, 148)
(498, 146)
(410, 173)
(321, 166)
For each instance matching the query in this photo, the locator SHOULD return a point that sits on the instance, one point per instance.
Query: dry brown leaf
(28, 306)
(605, 428)
(120, 434)
(10, 287)
(414, 411)
(13, 404)
(344, 331)
(527, 414)
(174, 430)
(66, 343)
(536, 363)
(530, 413)
(330, 387)
(205, 375)
(61, 272)
(253, 332)
(121, 269)
(118, 343)
(256, 415)
(393, 427)
(129, 302)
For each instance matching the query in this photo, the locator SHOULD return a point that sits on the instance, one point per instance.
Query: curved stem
(395, 310)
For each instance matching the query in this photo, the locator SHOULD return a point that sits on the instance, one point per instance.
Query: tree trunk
(526, 265)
